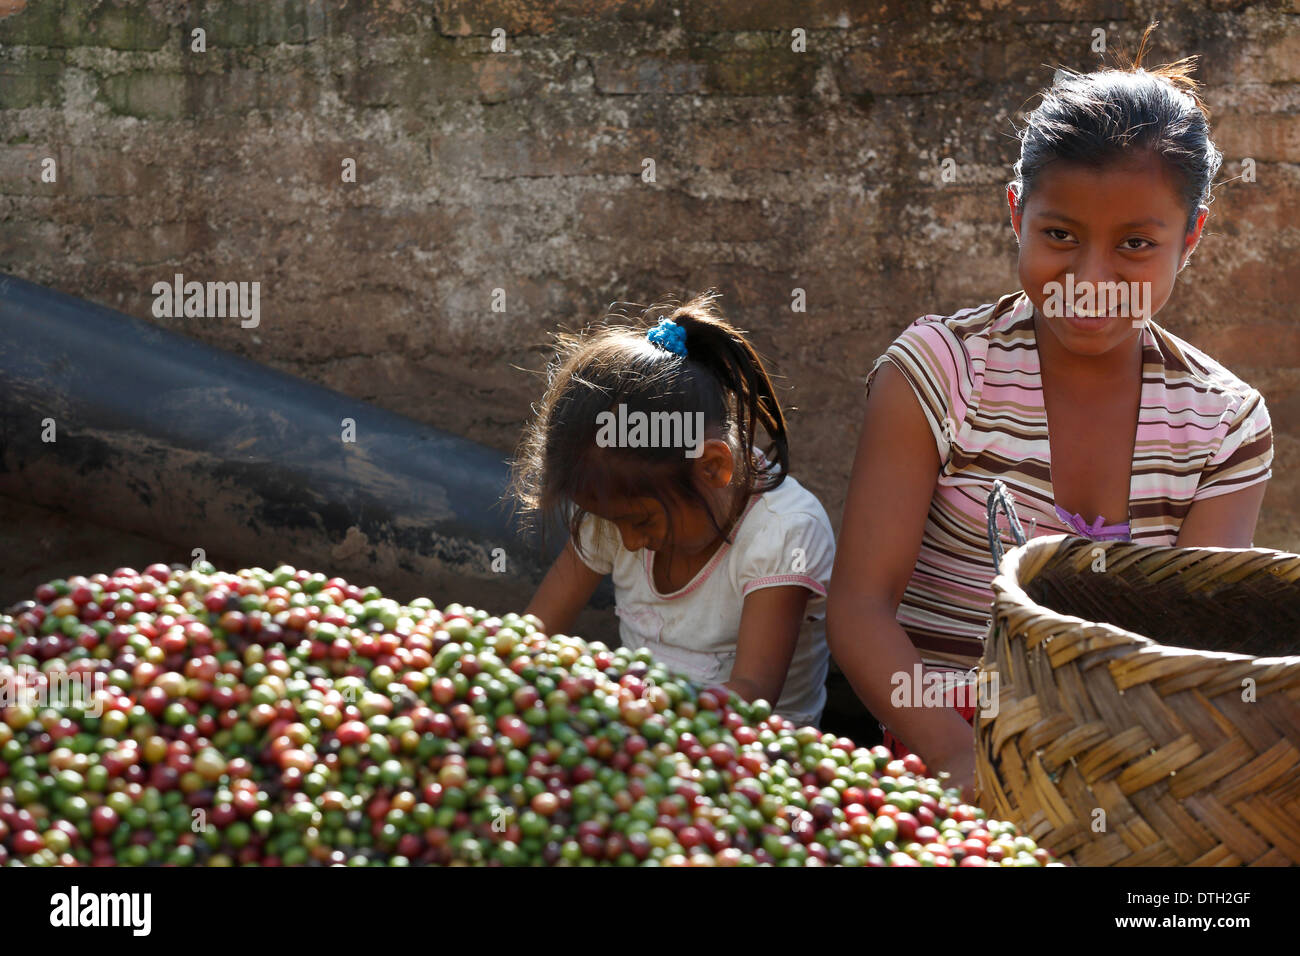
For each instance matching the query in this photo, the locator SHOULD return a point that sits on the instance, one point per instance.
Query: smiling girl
(1149, 440)
(720, 559)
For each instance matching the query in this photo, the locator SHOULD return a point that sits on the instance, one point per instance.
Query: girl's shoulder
(784, 538)
(789, 503)
(953, 348)
(1188, 368)
(944, 357)
(975, 324)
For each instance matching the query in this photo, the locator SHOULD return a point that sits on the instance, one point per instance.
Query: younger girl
(645, 440)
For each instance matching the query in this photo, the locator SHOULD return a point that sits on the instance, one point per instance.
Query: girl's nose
(1095, 266)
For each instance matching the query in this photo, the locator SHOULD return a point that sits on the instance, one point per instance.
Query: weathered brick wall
(521, 171)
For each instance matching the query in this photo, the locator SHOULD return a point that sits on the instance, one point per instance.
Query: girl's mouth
(1087, 320)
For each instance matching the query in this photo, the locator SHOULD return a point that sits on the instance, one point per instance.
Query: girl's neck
(727, 505)
(673, 570)
(1071, 369)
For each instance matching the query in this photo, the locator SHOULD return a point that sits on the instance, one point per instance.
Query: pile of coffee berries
(185, 716)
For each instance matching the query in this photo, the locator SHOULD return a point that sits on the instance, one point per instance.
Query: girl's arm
(893, 480)
(564, 592)
(1224, 521)
(769, 631)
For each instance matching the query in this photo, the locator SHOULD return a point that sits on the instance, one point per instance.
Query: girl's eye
(1057, 235)
(1128, 248)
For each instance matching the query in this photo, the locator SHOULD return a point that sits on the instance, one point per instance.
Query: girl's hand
(746, 689)
(960, 764)
(564, 592)
(769, 633)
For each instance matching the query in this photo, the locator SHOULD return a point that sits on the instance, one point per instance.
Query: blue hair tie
(669, 336)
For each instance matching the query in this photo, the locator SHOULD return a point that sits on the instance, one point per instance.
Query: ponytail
(639, 364)
(723, 350)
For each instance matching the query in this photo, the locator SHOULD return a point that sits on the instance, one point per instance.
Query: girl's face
(643, 522)
(1083, 226)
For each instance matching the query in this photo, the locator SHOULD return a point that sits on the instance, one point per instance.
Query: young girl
(1150, 439)
(645, 440)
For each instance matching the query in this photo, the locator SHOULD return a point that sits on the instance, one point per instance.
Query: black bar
(167, 437)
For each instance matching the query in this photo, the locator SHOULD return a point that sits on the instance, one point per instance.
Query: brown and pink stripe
(1201, 432)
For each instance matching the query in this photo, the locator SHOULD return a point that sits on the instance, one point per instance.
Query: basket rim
(1008, 592)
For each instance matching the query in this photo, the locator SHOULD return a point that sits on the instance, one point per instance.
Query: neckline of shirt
(1022, 311)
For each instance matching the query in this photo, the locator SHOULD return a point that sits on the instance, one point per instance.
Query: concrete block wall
(500, 147)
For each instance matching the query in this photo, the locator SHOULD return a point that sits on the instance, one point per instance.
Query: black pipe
(161, 435)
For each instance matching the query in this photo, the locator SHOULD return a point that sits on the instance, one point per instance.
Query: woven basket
(1116, 749)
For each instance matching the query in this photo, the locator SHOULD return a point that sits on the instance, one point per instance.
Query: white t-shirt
(783, 538)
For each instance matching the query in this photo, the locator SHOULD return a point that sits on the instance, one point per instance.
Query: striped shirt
(1201, 432)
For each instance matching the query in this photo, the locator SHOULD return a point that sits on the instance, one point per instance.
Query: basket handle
(1000, 497)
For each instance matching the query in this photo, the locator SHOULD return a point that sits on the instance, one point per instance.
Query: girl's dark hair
(1115, 114)
(721, 375)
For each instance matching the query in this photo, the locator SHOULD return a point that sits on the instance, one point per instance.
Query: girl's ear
(1015, 211)
(1193, 237)
(715, 465)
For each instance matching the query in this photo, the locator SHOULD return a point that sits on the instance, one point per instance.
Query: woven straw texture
(1147, 712)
